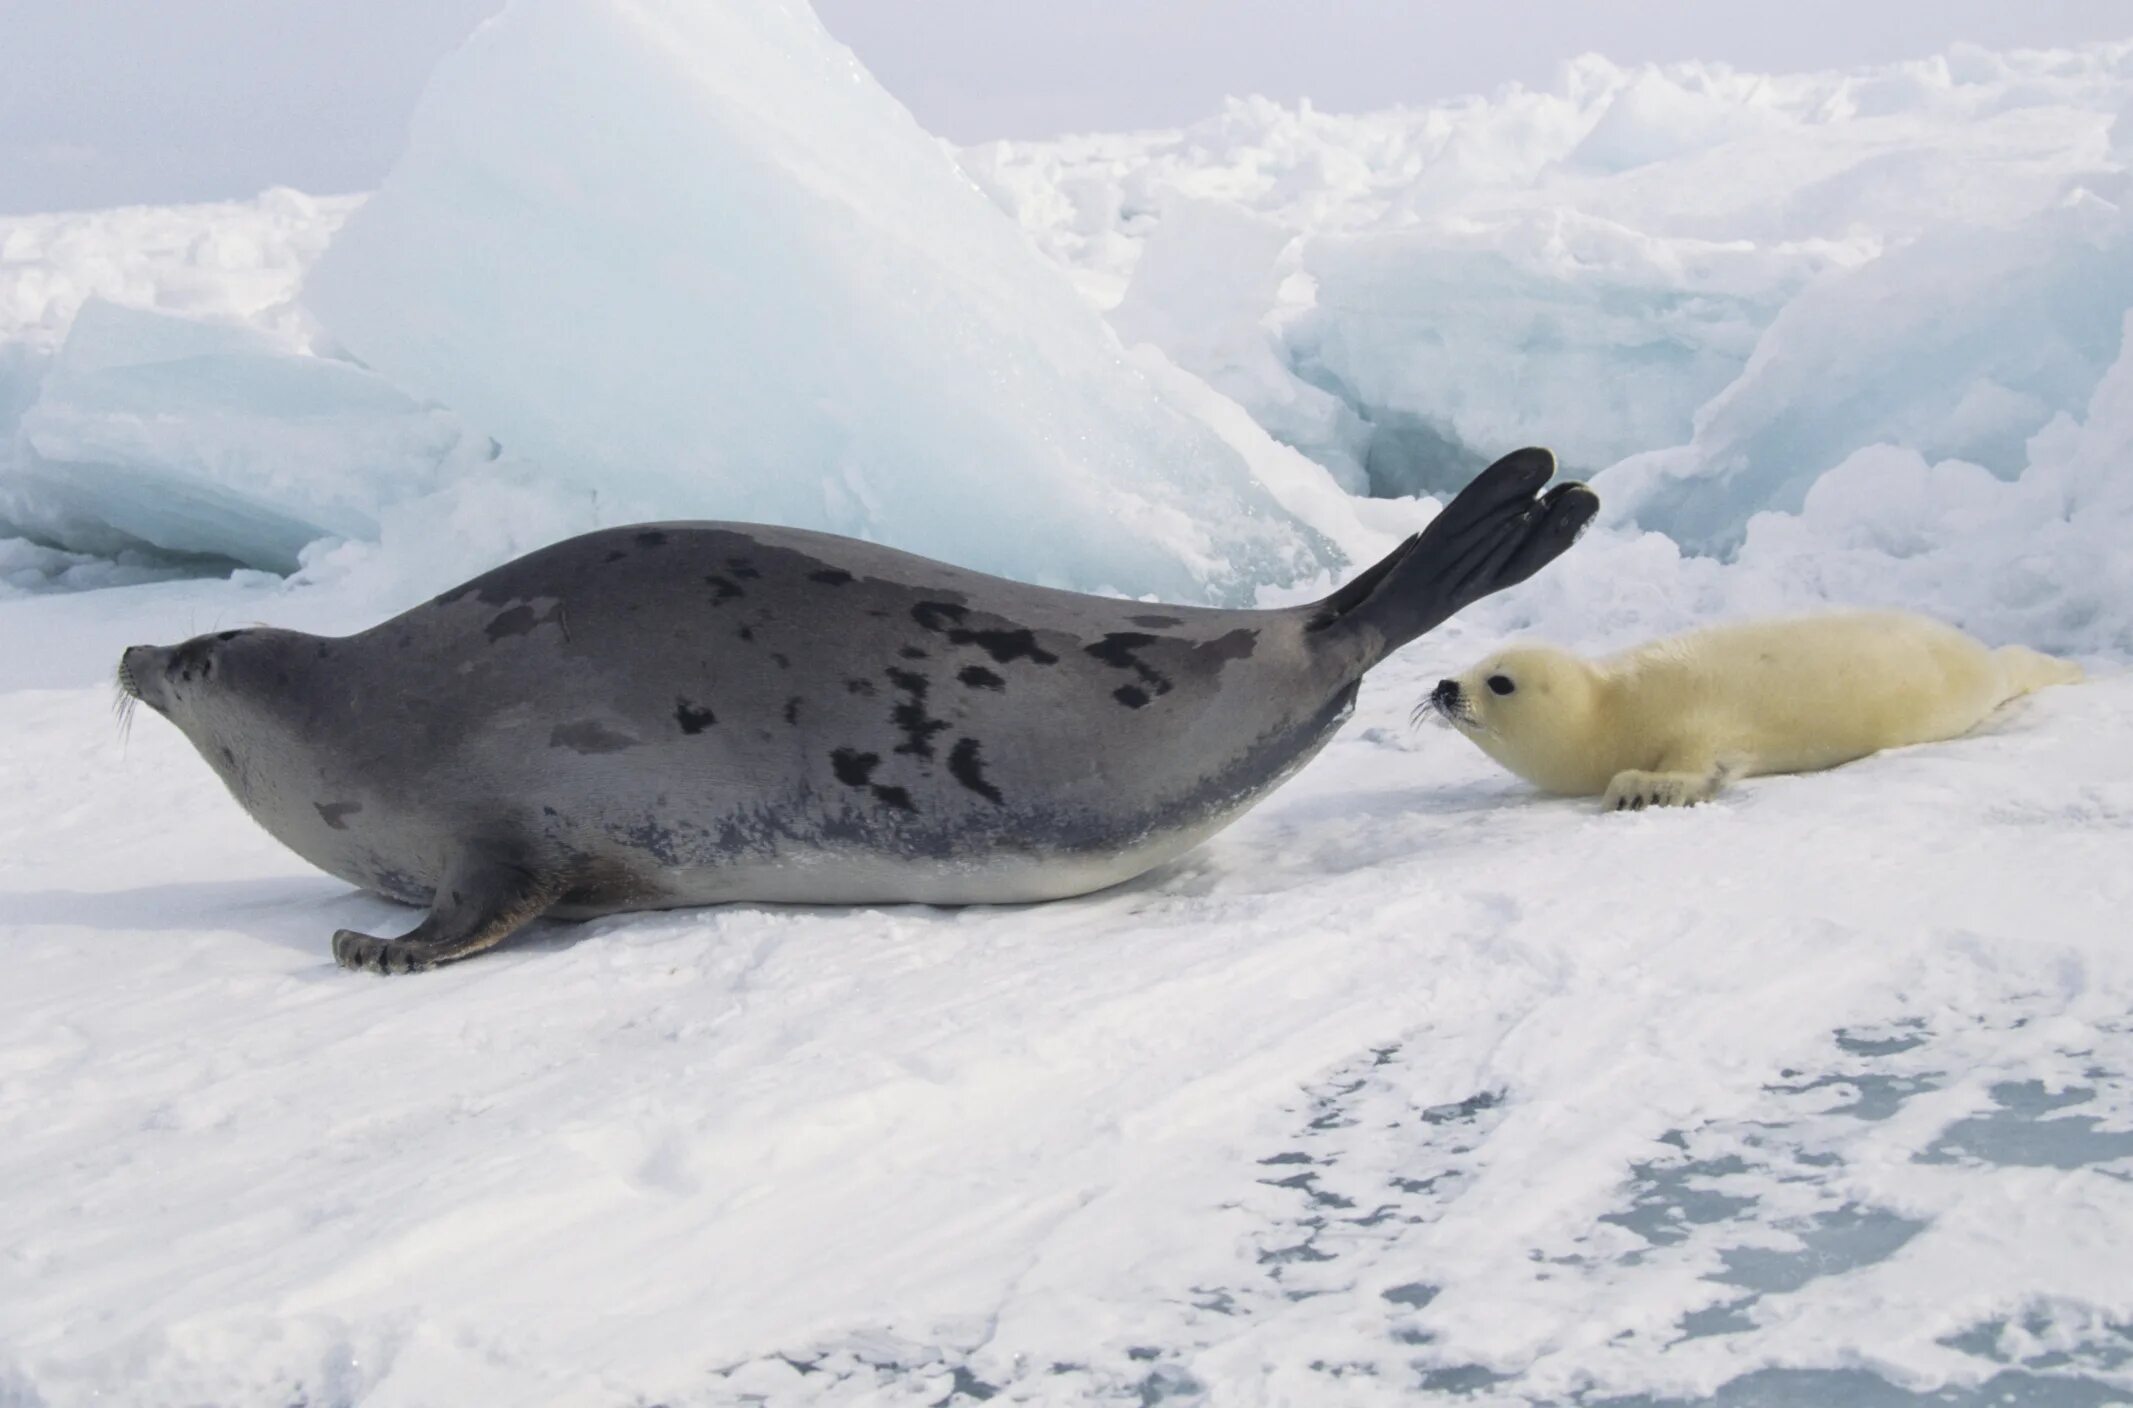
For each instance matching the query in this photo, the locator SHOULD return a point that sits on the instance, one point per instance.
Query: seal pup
(689, 713)
(1669, 723)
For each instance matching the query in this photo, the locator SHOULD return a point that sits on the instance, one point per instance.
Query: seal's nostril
(1446, 692)
(141, 673)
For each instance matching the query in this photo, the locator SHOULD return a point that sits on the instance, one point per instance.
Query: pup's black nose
(1445, 695)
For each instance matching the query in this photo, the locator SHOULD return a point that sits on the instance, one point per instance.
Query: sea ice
(696, 258)
(206, 438)
(1960, 345)
(1200, 291)
(1738, 279)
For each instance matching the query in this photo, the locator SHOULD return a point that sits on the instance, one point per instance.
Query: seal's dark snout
(141, 671)
(133, 665)
(1446, 697)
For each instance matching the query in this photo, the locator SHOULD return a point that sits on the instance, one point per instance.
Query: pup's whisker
(1429, 706)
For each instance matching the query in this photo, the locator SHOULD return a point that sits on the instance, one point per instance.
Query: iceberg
(695, 258)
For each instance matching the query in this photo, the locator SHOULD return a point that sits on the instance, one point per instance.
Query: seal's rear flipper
(2023, 671)
(482, 901)
(1499, 531)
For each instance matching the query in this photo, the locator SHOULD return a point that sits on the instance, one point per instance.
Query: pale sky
(107, 102)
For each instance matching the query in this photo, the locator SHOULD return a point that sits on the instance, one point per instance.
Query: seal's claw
(1634, 790)
(367, 952)
(348, 947)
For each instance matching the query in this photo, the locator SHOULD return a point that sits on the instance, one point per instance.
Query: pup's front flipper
(1634, 790)
(483, 900)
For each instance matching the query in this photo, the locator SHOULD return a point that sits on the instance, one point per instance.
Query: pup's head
(1530, 707)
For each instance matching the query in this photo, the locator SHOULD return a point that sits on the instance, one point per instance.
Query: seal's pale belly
(822, 877)
(716, 834)
(1015, 866)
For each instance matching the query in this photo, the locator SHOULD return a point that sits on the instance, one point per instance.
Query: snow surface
(1410, 1086)
(1409, 1079)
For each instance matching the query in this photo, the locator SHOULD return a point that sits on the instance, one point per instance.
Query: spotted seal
(688, 713)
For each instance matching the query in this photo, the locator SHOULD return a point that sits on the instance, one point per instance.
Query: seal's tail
(2025, 669)
(1500, 530)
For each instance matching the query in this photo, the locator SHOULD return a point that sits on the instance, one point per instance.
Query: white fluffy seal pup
(1671, 722)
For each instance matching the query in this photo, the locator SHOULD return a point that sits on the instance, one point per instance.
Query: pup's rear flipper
(1500, 530)
(2025, 669)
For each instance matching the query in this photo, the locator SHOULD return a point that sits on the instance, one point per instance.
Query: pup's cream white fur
(1671, 722)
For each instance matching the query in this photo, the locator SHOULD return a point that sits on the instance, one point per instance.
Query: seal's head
(175, 680)
(228, 692)
(1533, 708)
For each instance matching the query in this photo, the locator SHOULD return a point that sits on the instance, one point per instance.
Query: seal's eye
(1501, 684)
(195, 657)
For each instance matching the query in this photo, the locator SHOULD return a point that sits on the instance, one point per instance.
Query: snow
(1410, 1074)
(1412, 1084)
(710, 267)
(237, 258)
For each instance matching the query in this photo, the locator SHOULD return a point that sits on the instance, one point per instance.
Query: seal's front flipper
(1634, 790)
(482, 901)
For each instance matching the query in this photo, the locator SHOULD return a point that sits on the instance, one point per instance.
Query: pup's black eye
(1501, 684)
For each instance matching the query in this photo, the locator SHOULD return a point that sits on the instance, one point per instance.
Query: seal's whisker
(126, 697)
(122, 712)
(1430, 707)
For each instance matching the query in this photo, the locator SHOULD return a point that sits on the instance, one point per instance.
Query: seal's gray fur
(688, 713)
